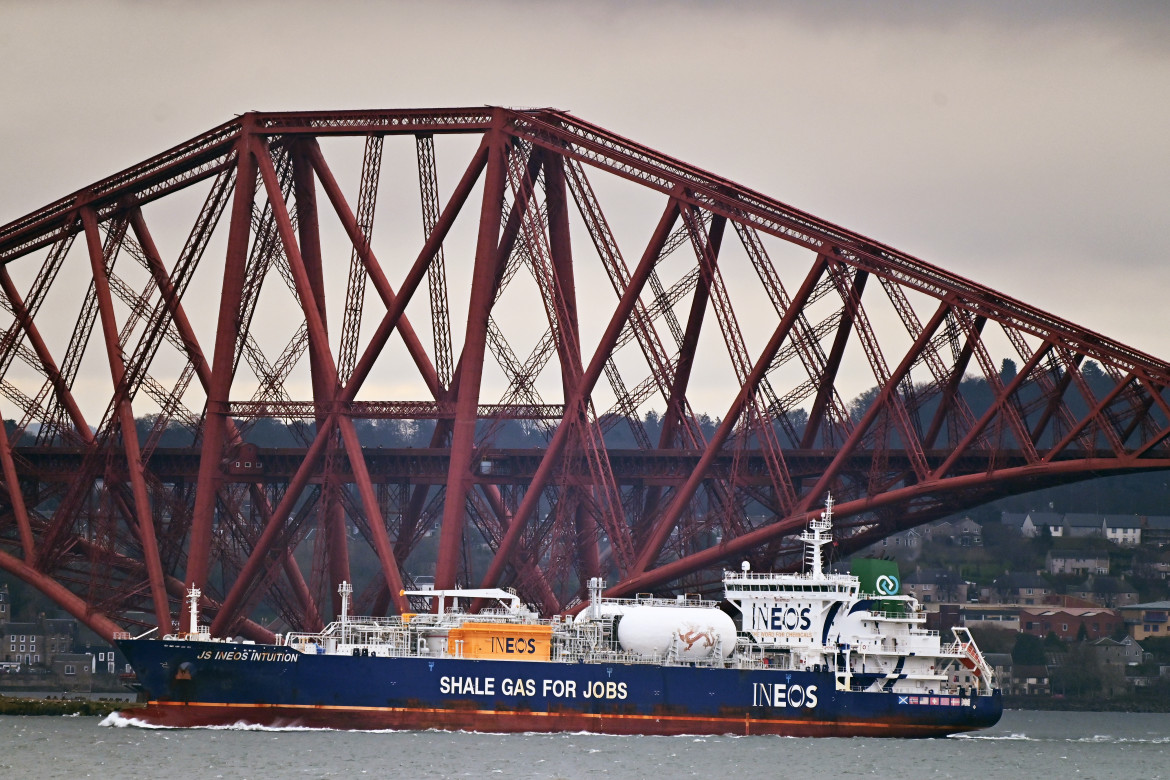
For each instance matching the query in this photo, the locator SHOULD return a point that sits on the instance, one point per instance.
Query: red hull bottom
(177, 715)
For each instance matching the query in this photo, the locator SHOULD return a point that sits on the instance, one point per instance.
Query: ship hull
(191, 684)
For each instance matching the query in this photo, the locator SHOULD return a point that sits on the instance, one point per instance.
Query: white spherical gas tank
(651, 629)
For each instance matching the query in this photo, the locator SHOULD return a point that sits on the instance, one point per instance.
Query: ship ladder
(971, 658)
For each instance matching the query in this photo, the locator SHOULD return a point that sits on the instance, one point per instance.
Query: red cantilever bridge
(561, 283)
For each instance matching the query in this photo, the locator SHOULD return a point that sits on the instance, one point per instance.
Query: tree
(1091, 371)
(1081, 672)
(1042, 542)
(860, 405)
(1028, 650)
(1007, 370)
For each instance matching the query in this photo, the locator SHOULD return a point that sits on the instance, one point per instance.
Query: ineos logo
(790, 618)
(887, 585)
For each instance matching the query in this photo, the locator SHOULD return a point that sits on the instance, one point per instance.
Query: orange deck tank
(501, 641)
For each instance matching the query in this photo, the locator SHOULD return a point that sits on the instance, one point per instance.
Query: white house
(1034, 521)
(1125, 530)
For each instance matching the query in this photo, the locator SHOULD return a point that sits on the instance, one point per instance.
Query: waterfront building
(1147, 620)
(1070, 623)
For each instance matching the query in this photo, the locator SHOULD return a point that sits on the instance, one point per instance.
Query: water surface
(1032, 745)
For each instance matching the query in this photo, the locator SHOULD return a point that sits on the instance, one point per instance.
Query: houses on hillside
(932, 586)
(1020, 588)
(907, 545)
(1156, 530)
(1081, 562)
(46, 652)
(1106, 591)
(1124, 530)
(960, 533)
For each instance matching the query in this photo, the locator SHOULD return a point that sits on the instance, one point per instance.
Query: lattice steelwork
(223, 287)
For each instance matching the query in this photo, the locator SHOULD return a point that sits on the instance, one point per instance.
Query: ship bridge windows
(790, 588)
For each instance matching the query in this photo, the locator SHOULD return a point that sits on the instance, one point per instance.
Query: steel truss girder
(572, 506)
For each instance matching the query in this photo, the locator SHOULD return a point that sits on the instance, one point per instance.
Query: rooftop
(1081, 612)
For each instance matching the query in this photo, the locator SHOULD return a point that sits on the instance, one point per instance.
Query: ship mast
(344, 589)
(817, 535)
(193, 595)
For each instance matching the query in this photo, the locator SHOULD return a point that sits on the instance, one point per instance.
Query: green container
(878, 578)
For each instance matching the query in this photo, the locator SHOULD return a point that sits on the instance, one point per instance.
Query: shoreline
(14, 705)
(1049, 704)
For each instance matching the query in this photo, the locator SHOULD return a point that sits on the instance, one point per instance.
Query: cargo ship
(806, 654)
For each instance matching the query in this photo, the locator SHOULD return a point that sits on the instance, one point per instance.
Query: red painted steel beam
(995, 409)
(60, 387)
(561, 251)
(1156, 393)
(16, 499)
(208, 153)
(596, 146)
(235, 598)
(1094, 415)
(162, 280)
(437, 273)
(951, 389)
(389, 322)
(729, 549)
(414, 277)
(878, 407)
(223, 356)
(666, 523)
(1163, 434)
(374, 269)
(675, 416)
(142, 508)
(836, 353)
(71, 603)
(486, 270)
(403, 121)
(503, 247)
(195, 354)
(382, 544)
(308, 273)
(604, 349)
(355, 288)
(309, 286)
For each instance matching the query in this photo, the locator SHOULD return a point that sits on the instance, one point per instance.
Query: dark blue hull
(216, 683)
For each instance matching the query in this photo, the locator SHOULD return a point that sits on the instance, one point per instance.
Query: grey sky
(1023, 145)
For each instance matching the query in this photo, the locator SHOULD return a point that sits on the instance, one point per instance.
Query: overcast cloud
(1023, 145)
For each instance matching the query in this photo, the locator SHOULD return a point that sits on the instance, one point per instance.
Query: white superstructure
(817, 620)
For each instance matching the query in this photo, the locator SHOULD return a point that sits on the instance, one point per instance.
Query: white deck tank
(693, 631)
